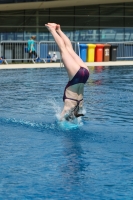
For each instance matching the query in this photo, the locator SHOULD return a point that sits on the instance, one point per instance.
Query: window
(112, 16)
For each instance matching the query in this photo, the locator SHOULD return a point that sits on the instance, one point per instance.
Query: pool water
(41, 158)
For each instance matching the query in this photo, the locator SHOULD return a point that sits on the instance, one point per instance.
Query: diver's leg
(70, 48)
(71, 65)
(68, 45)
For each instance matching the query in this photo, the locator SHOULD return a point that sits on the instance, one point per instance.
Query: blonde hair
(33, 37)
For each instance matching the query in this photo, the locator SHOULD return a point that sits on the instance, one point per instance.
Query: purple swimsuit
(80, 77)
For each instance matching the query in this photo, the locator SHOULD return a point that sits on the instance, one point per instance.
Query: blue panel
(43, 50)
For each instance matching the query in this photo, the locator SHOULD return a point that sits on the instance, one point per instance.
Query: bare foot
(49, 27)
(53, 25)
(58, 27)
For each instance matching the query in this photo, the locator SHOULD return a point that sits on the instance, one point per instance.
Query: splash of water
(56, 125)
(67, 125)
(55, 106)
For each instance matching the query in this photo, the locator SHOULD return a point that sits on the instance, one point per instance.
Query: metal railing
(124, 49)
(15, 51)
(46, 47)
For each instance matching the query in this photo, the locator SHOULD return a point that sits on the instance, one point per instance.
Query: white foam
(75, 123)
(55, 106)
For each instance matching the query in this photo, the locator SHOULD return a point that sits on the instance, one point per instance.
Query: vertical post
(94, 35)
(0, 49)
(124, 28)
(124, 20)
(37, 25)
(99, 24)
(37, 30)
(24, 32)
(78, 49)
(49, 21)
(74, 26)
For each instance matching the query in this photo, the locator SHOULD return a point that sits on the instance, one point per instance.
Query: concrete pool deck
(56, 65)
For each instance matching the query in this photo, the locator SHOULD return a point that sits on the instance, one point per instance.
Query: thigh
(70, 64)
(77, 59)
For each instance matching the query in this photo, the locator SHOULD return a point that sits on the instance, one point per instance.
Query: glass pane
(30, 12)
(43, 20)
(111, 21)
(128, 34)
(11, 33)
(30, 21)
(43, 34)
(88, 21)
(62, 16)
(19, 36)
(87, 10)
(68, 31)
(128, 18)
(12, 13)
(29, 31)
(129, 4)
(62, 11)
(111, 34)
(107, 35)
(63, 20)
(83, 34)
(9, 20)
(81, 23)
(111, 15)
(115, 10)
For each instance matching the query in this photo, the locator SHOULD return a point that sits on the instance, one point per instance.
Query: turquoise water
(43, 159)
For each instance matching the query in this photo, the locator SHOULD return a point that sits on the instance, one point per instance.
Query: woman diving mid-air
(78, 74)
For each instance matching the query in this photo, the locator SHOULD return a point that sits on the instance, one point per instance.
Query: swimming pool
(39, 159)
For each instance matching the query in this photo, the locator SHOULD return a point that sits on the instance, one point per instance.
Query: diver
(78, 74)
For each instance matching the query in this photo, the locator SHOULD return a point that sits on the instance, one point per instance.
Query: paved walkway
(54, 65)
